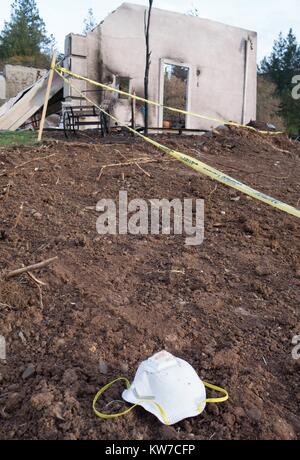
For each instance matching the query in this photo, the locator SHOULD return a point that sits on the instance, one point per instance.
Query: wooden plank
(45, 108)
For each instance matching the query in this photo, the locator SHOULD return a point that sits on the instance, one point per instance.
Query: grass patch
(9, 138)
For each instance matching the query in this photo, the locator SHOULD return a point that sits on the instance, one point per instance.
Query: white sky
(267, 17)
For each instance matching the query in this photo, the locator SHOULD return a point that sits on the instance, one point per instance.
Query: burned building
(196, 64)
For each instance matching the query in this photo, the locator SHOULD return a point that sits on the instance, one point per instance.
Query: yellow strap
(199, 165)
(220, 390)
(125, 412)
(103, 390)
(157, 104)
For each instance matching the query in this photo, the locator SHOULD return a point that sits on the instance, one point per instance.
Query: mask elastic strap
(220, 390)
(127, 411)
(213, 400)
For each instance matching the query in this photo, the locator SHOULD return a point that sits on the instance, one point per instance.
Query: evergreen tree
(280, 68)
(25, 33)
(90, 22)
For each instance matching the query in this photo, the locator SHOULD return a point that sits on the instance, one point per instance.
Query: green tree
(90, 22)
(25, 33)
(280, 68)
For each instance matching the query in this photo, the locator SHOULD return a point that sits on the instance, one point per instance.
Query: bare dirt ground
(230, 306)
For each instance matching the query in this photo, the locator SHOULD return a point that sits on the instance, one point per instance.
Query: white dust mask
(168, 387)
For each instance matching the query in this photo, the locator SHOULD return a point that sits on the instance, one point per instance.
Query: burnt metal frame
(73, 114)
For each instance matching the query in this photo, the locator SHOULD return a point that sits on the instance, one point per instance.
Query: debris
(29, 372)
(103, 367)
(38, 216)
(37, 266)
(19, 216)
(57, 410)
(22, 337)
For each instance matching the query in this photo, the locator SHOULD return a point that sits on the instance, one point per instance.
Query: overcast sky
(267, 17)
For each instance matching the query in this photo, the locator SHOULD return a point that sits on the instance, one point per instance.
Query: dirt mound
(230, 306)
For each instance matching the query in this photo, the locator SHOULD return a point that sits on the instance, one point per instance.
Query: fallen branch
(35, 159)
(29, 268)
(19, 216)
(7, 189)
(136, 164)
(130, 163)
(36, 280)
(38, 284)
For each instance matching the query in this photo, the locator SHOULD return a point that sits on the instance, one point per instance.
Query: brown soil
(229, 307)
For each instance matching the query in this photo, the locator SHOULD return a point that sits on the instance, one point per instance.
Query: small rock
(29, 372)
(229, 420)
(168, 433)
(283, 430)
(70, 377)
(40, 401)
(213, 409)
(38, 216)
(239, 413)
(255, 414)
(103, 367)
(124, 367)
(13, 401)
(187, 426)
(261, 270)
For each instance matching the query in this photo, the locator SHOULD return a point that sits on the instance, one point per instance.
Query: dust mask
(167, 387)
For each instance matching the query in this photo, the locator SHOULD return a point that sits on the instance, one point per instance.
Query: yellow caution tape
(199, 165)
(151, 401)
(157, 104)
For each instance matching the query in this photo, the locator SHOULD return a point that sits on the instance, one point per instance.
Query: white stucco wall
(2, 87)
(215, 53)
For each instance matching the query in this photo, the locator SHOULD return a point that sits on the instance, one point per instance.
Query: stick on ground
(29, 268)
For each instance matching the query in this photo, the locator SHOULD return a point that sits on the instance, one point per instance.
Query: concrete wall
(221, 58)
(19, 77)
(2, 89)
